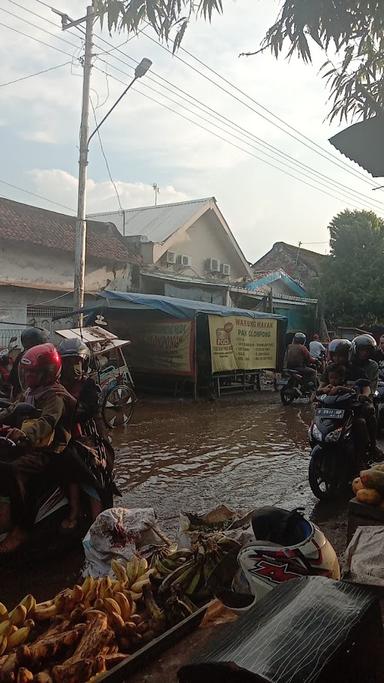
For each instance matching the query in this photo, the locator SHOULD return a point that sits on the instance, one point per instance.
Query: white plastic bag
(363, 559)
(117, 533)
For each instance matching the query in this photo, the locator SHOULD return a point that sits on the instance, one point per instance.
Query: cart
(109, 368)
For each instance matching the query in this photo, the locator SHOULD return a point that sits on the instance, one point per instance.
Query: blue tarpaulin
(182, 309)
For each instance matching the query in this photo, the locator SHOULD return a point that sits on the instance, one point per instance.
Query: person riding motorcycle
(364, 370)
(338, 352)
(298, 358)
(89, 459)
(379, 355)
(30, 337)
(40, 441)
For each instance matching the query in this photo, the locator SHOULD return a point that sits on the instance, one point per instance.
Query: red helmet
(40, 366)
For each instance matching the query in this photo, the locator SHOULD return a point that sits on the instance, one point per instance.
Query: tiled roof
(40, 227)
(158, 223)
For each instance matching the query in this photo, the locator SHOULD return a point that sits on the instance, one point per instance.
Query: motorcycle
(335, 459)
(379, 402)
(296, 386)
(52, 505)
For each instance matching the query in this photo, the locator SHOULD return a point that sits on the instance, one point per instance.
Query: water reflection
(193, 457)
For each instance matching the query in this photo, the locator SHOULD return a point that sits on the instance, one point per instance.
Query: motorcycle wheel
(287, 395)
(321, 475)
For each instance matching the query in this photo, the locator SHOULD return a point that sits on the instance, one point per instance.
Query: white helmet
(301, 550)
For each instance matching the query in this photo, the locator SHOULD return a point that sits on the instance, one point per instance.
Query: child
(336, 381)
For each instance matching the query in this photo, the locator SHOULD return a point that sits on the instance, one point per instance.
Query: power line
(338, 198)
(26, 21)
(203, 107)
(274, 150)
(27, 35)
(34, 194)
(38, 73)
(105, 159)
(321, 151)
(319, 189)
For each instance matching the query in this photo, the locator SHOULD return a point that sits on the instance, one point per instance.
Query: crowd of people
(343, 365)
(65, 443)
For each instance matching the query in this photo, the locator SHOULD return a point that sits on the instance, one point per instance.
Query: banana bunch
(190, 578)
(15, 626)
(165, 563)
(132, 575)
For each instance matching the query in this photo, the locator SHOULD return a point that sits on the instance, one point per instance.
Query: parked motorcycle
(296, 386)
(335, 459)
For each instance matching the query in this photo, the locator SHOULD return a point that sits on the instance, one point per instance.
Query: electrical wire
(204, 128)
(42, 42)
(274, 150)
(320, 150)
(38, 73)
(105, 159)
(39, 196)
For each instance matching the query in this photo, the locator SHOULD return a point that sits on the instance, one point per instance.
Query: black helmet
(299, 338)
(74, 348)
(340, 346)
(33, 336)
(363, 342)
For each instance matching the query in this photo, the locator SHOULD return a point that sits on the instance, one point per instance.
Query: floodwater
(177, 456)
(193, 457)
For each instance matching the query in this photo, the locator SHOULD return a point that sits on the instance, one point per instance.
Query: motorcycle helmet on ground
(286, 546)
(363, 342)
(32, 336)
(299, 338)
(339, 347)
(40, 366)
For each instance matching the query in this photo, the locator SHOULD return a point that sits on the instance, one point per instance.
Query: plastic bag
(363, 559)
(118, 533)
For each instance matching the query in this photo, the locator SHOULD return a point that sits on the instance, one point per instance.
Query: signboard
(163, 347)
(242, 343)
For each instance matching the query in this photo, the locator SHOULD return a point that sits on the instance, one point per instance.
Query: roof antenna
(156, 190)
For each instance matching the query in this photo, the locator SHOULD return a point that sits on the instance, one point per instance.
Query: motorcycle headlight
(316, 433)
(334, 436)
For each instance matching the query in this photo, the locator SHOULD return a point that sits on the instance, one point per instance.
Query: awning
(182, 309)
(363, 143)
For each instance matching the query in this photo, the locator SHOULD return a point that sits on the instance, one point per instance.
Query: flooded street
(185, 456)
(180, 455)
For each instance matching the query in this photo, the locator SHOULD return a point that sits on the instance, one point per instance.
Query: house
(300, 264)
(37, 263)
(187, 248)
(288, 297)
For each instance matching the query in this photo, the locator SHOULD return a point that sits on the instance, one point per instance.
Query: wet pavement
(182, 455)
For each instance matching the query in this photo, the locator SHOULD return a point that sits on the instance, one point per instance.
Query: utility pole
(156, 190)
(81, 223)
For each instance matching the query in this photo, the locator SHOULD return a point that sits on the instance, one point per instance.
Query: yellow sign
(163, 347)
(242, 343)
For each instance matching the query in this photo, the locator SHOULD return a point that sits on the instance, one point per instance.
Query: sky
(148, 142)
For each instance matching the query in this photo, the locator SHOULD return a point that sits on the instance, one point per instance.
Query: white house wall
(29, 265)
(203, 240)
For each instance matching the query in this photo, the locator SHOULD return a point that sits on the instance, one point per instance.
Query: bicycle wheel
(117, 405)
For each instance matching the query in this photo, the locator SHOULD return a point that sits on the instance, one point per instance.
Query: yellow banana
(125, 605)
(119, 571)
(44, 613)
(24, 675)
(18, 638)
(29, 603)
(3, 645)
(3, 612)
(116, 621)
(77, 593)
(18, 615)
(133, 570)
(112, 606)
(87, 584)
(105, 585)
(4, 628)
(142, 566)
(137, 587)
(135, 597)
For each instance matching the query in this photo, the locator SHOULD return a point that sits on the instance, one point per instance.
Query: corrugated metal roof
(157, 223)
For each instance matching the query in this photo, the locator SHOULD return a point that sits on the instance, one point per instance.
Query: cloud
(43, 136)
(61, 186)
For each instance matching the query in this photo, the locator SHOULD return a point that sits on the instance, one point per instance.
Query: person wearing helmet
(379, 355)
(39, 440)
(89, 459)
(30, 337)
(338, 351)
(365, 372)
(298, 358)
